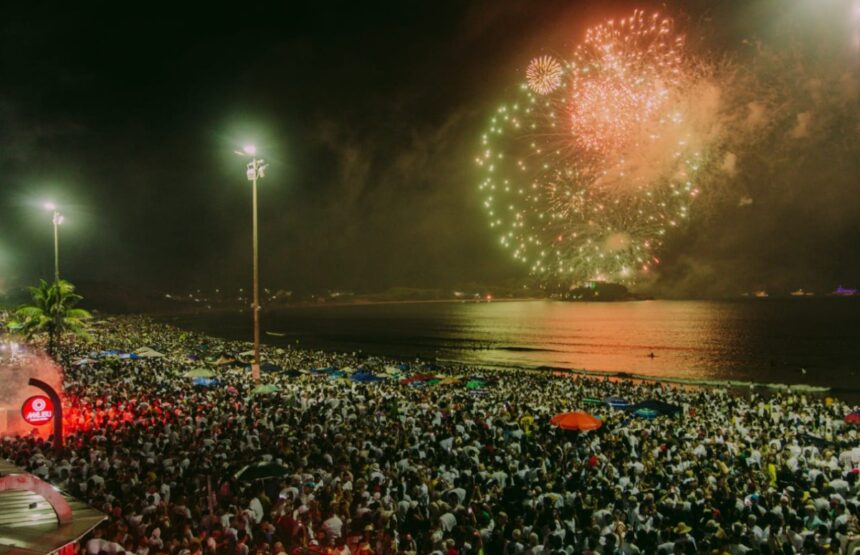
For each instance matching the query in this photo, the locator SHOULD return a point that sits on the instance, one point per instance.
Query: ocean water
(786, 341)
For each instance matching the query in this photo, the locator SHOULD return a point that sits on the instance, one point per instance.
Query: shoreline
(851, 395)
(734, 385)
(163, 308)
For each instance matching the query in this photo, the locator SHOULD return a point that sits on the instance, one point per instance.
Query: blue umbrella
(365, 377)
(660, 407)
(206, 382)
(616, 402)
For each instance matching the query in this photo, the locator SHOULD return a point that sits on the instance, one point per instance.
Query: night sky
(369, 114)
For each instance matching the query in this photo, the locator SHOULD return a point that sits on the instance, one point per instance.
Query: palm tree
(53, 312)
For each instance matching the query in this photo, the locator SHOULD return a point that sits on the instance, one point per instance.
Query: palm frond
(53, 311)
(78, 313)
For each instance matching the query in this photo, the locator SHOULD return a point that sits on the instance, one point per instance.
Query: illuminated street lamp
(256, 169)
(57, 220)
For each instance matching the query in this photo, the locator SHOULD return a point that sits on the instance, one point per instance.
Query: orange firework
(624, 75)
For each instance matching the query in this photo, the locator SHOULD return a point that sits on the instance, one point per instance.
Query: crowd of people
(430, 467)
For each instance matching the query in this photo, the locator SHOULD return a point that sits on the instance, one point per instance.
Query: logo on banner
(37, 410)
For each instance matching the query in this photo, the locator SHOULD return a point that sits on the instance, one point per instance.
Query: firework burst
(544, 74)
(622, 78)
(584, 179)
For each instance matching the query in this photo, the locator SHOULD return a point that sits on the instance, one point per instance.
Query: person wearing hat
(682, 534)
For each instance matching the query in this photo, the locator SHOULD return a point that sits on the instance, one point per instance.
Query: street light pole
(256, 170)
(255, 366)
(57, 220)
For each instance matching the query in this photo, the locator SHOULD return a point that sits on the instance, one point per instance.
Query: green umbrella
(475, 384)
(263, 389)
(646, 413)
(592, 401)
(199, 373)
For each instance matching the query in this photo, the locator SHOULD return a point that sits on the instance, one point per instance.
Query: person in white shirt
(256, 507)
(333, 527)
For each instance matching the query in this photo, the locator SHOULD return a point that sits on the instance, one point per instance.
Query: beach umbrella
(206, 382)
(262, 471)
(660, 407)
(475, 384)
(199, 373)
(269, 367)
(265, 389)
(84, 361)
(330, 372)
(592, 401)
(365, 377)
(814, 440)
(451, 380)
(646, 413)
(616, 402)
(417, 378)
(853, 418)
(579, 421)
(250, 355)
(147, 352)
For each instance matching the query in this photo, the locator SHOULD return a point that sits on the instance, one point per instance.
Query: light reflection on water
(756, 340)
